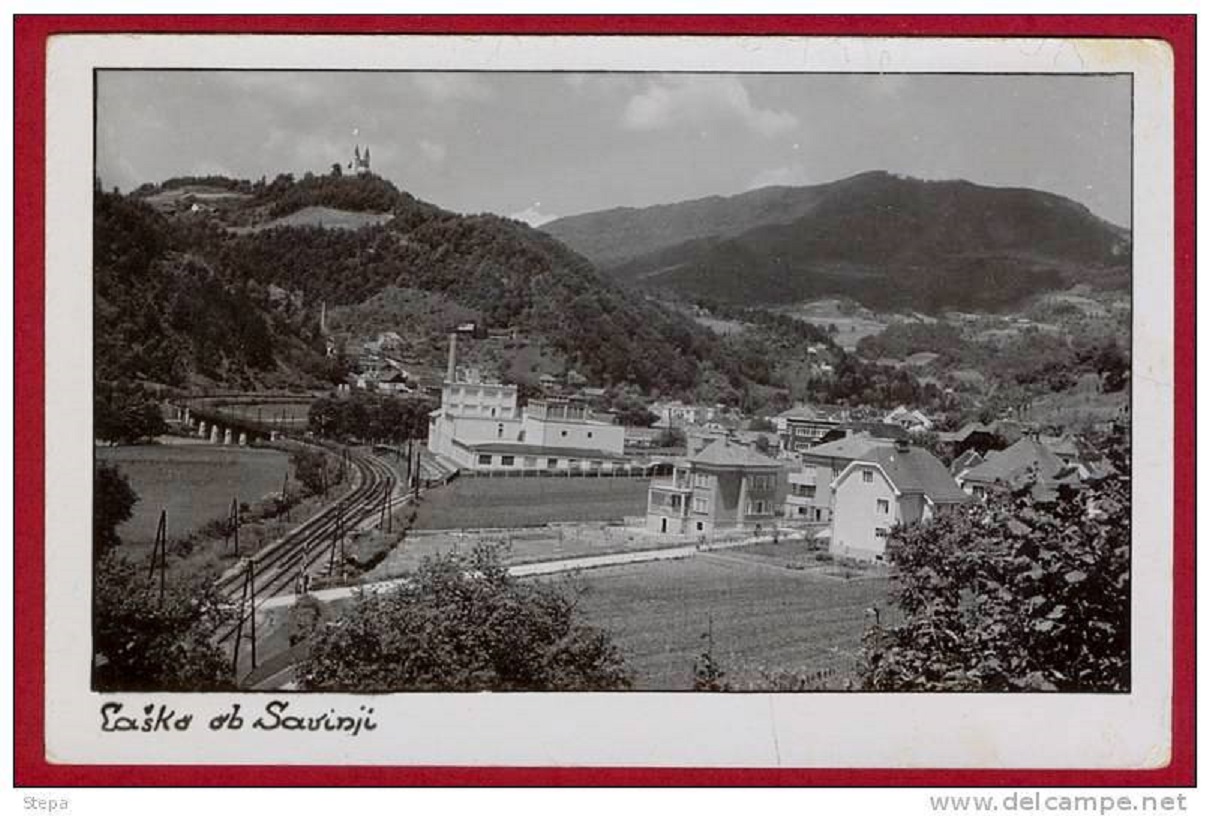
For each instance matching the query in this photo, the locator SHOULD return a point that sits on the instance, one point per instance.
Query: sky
(537, 146)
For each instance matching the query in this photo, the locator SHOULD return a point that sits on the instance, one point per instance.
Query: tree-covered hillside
(887, 241)
(190, 293)
(164, 312)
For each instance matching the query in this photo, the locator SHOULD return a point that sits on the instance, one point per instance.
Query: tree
(1019, 594)
(762, 424)
(125, 413)
(462, 623)
(144, 643)
(670, 438)
(310, 469)
(763, 445)
(113, 501)
(636, 416)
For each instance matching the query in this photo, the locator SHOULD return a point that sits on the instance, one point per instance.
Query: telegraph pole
(252, 593)
(159, 552)
(234, 522)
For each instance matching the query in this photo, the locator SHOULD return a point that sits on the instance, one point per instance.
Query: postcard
(733, 402)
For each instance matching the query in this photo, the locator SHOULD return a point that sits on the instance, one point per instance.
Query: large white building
(480, 426)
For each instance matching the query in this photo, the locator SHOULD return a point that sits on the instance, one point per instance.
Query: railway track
(313, 546)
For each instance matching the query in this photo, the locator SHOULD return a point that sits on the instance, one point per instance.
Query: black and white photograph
(571, 401)
(532, 381)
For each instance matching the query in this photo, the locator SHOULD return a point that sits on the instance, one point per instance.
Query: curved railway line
(314, 545)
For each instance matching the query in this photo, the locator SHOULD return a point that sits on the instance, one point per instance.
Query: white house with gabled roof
(889, 485)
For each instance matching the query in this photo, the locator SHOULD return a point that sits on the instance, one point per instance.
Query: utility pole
(337, 536)
(252, 593)
(285, 498)
(239, 628)
(159, 552)
(234, 523)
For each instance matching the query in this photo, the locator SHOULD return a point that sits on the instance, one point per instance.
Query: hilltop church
(361, 161)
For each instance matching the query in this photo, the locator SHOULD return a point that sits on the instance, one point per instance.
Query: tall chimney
(451, 366)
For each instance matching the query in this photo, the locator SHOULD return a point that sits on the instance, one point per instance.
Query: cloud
(699, 100)
(445, 87)
(533, 216)
(433, 151)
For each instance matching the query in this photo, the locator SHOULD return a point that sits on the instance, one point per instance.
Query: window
(867, 475)
(700, 505)
(590, 434)
(758, 507)
(802, 511)
(701, 480)
(562, 433)
(884, 506)
(493, 412)
(530, 461)
(507, 461)
(500, 430)
(880, 532)
(485, 459)
(573, 463)
(700, 527)
(552, 463)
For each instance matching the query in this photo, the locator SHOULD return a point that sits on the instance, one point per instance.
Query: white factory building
(479, 426)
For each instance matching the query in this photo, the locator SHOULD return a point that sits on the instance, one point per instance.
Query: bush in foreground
(462, 623)
(1018, 595)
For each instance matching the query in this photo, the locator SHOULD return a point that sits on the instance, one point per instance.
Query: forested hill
(887, 241)
(165, 313)
(517, 277)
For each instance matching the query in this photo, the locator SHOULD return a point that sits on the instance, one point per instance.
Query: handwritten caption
(275, 715)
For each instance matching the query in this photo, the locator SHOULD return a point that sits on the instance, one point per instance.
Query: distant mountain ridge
(885, 240)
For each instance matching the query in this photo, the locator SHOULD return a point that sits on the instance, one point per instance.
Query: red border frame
(30, 42)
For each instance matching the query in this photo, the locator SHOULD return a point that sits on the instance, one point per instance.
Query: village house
(896, 484)
(1044, 462)
(809, 497)
(911, 420)
(676, 414)
(974, 435)
(802, 426)
(725, 486)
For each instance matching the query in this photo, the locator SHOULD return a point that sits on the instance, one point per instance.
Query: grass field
(521, 502)
(850, 328)
(326, 217)
(194, 483)
(762, 616)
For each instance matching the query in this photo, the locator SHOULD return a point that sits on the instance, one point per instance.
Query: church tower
(361, 162)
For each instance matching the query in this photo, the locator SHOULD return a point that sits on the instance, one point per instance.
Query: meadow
(851, 324)
(522, 502)
(194, 483)
(761, 617)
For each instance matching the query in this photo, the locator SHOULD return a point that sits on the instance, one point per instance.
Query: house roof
(725, 453)
(969, 458)
(522, 449)
(965, 431)
(851, 447)
(917, 471)
(823, 412)
(878, 430)
(1008, 465)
